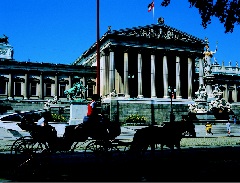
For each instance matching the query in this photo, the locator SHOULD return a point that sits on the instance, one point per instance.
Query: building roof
(157, 36)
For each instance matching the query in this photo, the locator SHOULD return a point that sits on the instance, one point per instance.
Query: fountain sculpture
(207, 100)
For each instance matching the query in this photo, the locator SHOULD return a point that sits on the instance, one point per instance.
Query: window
(48, 89)
(90, 90)
(3, 88)
(33, 89)
(62, 89)
(18, 89)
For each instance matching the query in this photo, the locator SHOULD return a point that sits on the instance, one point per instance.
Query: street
(193, 163)
(200, 164)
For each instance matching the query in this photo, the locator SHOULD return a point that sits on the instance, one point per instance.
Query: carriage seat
(44, 133)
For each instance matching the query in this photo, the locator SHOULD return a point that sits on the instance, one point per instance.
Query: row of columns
(40, 86)
(109, 82)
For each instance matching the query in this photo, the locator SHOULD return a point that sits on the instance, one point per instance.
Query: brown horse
(170, 135)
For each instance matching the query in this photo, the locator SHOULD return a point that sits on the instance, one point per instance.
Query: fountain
(209, 103)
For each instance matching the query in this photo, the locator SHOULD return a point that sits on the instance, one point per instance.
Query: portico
(144, 61)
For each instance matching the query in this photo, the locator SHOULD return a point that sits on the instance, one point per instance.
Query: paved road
(12, 130)
(191, 165)
(194, 164)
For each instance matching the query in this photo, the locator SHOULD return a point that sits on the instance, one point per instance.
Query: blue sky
(59, 31)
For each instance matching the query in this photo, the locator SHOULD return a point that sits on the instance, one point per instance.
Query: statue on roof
(4, 39)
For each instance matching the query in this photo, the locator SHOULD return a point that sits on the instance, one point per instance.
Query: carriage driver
(92, 112)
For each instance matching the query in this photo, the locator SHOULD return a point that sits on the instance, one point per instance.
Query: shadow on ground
(194, 164)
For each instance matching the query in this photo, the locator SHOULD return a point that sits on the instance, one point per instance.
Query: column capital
(126, 50)
(105, 52)
(153, 51)
(112, 48)
(166, 51)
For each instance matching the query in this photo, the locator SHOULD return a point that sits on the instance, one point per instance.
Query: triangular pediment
(155, 36)
(157, 31)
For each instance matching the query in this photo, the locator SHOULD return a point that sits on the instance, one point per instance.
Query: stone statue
(207, 59)
(49, 102)
(76, 90)
(219, 105)
(201, 94)
(113, 93)
(217, 93)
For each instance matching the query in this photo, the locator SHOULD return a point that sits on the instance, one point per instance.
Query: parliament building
(138, 62)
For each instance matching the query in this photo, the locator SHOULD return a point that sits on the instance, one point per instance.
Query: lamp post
(171, 92)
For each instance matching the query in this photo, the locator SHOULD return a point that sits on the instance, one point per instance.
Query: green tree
(227, 11)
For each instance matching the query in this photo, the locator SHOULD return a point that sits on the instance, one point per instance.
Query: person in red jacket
(92, 111)
(92, 107)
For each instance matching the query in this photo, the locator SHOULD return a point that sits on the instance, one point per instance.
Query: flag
(150, 6)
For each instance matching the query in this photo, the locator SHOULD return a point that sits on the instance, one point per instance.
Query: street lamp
(171, 92)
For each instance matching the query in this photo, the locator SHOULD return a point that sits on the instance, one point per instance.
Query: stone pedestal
(77, 112)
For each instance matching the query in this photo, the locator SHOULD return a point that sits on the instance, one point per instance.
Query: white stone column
(178, 82)
(140, 76)
(126, 86)
(107, 74)
(117, 82)
(165, 77)
(84, 84)
(111, 72)
(189, 78)
(95, 87)
(40, 88)
(25, 88)
(10, 84)
(201, 72)
(102, 74)
(234, 93)
(153, 86)
(56, 85)
(226, 92)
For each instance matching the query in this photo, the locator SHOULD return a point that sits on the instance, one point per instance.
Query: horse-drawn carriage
(99, 137)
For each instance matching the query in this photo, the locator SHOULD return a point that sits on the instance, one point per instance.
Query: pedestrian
(41, 121)
(234, 120)
(208, 128)
(228, 125)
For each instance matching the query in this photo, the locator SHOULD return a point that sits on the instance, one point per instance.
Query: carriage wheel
(95, 148)
(100, 148)
(79, 146)
(26, 145)
(126, 148)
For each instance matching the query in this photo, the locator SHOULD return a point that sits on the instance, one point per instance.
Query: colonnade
(30, 86)
(112, 78)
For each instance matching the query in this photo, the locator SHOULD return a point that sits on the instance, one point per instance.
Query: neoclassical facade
(144, 61)
(41, 81)
(137, 62)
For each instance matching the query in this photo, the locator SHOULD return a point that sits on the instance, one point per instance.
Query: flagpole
(98, 52)
(153, 10)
